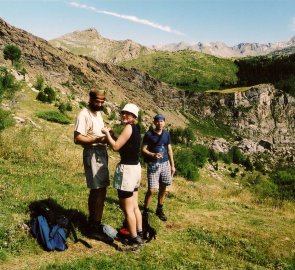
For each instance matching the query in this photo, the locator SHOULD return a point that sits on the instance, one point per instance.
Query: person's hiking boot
(96, 232)
(161, 215)
(135, 241)
(140, 235)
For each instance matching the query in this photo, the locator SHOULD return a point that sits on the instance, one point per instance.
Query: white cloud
(129, 18)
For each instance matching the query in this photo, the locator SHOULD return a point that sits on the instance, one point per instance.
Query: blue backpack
(50, 237)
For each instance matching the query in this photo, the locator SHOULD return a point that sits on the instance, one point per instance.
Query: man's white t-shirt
(89, 124)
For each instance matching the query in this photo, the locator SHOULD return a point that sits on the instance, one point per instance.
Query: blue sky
(151, 22)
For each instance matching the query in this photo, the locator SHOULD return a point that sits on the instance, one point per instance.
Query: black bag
(149, 233)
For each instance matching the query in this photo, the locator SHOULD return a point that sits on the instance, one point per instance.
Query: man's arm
(83, 140)
(171, 159)
(149, 153)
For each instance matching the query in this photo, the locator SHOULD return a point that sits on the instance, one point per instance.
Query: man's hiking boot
(160, 214)
(97, 232)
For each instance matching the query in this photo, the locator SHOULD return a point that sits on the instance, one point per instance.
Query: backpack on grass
(50, 237)
(50, 228)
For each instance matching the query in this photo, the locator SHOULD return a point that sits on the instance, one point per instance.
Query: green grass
(213, 224)
(186, 69)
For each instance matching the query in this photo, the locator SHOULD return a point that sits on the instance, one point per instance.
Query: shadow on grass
(77, 219)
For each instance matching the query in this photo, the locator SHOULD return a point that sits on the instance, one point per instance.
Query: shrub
(262, 186)
(12, 52)
(185, 165)
(47, 95)
(8, 84)
(54, 117)
(182, 135)
(6, 119)
(69, 107)
(237, 155)
(62, 107)
(82, 104)
(285, 179)
(39, 84)
(201, 154)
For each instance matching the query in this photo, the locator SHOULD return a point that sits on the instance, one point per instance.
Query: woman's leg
(127, 205)
(137, 212)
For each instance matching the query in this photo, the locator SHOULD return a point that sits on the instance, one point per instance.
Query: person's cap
(97, 92)
(159, 117)
(132, 108)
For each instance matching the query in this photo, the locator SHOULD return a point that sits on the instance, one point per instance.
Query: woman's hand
(105, 130)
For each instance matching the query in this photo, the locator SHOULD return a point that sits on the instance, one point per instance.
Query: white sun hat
(132, 108)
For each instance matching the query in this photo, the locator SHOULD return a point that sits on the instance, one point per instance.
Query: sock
(140, 233)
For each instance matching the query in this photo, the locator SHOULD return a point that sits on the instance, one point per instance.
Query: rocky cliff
(262, 115)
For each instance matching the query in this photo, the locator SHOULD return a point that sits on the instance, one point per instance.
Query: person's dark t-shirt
(129, 153)
(156, 144)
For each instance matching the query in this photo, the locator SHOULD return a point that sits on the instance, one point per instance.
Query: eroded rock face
(262, 114)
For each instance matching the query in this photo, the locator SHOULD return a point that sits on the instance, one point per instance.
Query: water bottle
(162, 152)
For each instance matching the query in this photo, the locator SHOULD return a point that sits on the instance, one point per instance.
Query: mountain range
(90, 43)
(222, 50)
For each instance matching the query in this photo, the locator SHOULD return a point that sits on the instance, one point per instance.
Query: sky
(152, 22)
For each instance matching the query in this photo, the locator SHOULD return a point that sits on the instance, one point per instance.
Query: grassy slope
(187, 69)
(213, 223)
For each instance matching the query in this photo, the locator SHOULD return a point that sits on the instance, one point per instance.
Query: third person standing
(160, 164)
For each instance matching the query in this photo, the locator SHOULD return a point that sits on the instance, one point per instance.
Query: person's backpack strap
(147, 158)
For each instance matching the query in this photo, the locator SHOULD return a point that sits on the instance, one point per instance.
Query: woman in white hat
(128, 171)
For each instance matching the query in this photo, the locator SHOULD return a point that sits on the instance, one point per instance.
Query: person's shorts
(159, 173)
(127, 177)
(95, 162)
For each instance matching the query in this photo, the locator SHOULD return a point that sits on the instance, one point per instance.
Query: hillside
(90, 43)
(72, 76)
(214, 223)
(187, 69)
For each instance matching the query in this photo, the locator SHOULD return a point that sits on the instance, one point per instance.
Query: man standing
(95, 159)
(160, 164)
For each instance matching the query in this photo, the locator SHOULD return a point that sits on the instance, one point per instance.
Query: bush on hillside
(54, 116)
(39, 83)
(8, 84)
(201, 154)
(262, 186)
(285, 179)
(182, 135)
(189, 160)
(6, 119)
(12, 52)
(47, 95)
(64, 107)
(184, 164)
